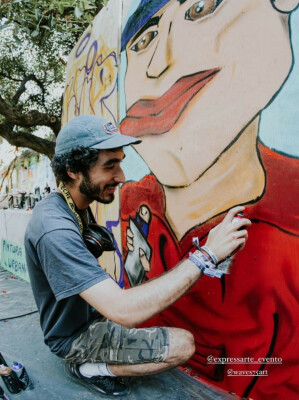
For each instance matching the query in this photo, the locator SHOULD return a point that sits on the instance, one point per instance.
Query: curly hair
(79, 159)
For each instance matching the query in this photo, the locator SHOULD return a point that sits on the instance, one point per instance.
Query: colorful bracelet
(211, 254)
(204, 264)
(207, 250)
(198, 260)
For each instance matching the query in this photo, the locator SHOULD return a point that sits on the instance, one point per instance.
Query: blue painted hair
(145, 10)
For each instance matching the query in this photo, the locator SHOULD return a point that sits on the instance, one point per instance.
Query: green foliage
(40, 18)
(32, 76)
(36, 37)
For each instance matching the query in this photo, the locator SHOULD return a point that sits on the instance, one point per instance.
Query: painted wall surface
(13, 259)
(195, 77)
(13, 224)
(32, 172)
(212, 89)
(91, 88)
(36, 173)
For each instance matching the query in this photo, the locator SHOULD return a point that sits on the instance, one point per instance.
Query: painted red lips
(155, 117)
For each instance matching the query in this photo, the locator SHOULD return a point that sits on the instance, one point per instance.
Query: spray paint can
(224, 266)
(237, 217)
(22, 375)
(10, 379)
(2, 395)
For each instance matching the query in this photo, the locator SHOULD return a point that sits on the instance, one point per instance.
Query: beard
(94, 192)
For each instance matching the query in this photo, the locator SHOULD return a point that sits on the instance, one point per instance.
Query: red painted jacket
(252, 314)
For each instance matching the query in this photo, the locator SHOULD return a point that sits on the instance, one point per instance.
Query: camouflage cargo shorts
(106, 341)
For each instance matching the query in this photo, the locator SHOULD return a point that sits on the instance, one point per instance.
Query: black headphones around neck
(97, 238)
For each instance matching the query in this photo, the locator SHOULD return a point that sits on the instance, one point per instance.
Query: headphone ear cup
(104, 236)
(92, 245)
(98, 239)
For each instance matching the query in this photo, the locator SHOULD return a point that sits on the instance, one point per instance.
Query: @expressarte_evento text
(262, 361)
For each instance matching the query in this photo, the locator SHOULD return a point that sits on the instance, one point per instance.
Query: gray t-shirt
(60, 267)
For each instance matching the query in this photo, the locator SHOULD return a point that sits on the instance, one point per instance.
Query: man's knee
(181, 346)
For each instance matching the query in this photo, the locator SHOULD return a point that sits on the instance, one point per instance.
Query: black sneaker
(99, 384)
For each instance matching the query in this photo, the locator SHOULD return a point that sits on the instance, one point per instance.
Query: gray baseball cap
(93, 132)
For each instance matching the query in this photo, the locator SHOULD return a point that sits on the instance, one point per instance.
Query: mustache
(111, 185)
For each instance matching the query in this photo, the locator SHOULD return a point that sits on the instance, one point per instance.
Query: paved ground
(21, 340)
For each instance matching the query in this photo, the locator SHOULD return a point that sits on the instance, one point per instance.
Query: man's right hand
(226, 237)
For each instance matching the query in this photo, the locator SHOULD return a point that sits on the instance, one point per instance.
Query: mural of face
(198, 73)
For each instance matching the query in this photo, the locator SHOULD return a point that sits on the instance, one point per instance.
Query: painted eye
(200, 9)
(144, 41)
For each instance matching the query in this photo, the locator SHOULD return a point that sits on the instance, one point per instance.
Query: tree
(36, 37)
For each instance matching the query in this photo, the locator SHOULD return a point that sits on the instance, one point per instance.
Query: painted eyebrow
(113, 160)
(149, 23)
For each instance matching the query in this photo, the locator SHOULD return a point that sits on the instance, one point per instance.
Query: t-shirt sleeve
(69, 266)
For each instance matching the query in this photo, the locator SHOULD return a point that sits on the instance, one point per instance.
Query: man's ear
(73, 175)
(285, 6)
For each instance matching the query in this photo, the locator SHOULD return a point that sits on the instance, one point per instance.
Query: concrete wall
(13, 224)
(29, 173)
(211, 87)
